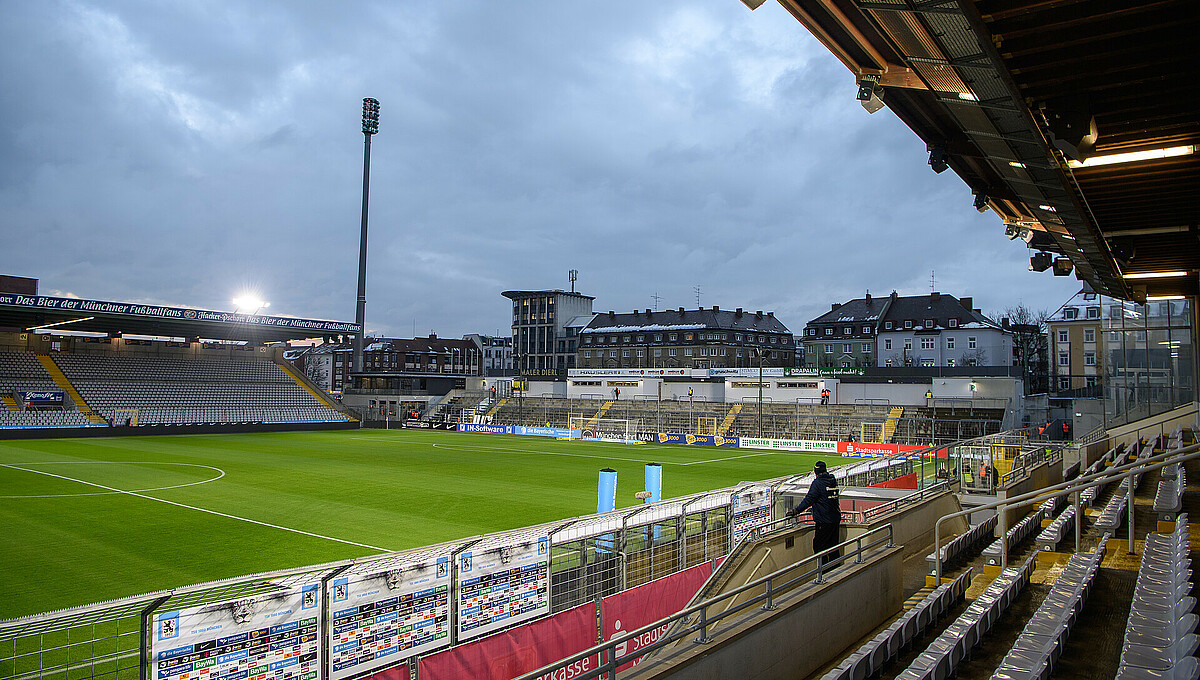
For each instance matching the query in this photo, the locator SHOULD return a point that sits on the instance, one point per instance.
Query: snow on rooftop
(647, 327)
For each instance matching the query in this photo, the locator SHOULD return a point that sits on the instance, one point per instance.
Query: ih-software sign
(482, 427)
(697, 439)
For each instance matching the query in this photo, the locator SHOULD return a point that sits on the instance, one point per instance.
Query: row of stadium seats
(42, 419)
(103, 366)
(21, 372)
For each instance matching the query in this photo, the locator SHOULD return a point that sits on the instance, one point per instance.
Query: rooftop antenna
(656, 297)
(696, 289)
(572, 275)
(932, 285)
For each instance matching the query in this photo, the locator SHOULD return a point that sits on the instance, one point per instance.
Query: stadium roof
(1006, 91)
(26, 312)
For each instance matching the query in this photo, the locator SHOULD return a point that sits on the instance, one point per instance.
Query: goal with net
(604, 429)
(125, 416)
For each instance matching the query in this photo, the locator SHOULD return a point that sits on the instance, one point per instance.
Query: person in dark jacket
(822, 497)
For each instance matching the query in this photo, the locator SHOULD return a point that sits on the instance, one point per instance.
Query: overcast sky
(180, 153)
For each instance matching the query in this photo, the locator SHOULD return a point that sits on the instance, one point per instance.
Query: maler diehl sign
(163, 312)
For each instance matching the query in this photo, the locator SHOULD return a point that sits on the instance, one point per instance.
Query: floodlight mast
(370, 126)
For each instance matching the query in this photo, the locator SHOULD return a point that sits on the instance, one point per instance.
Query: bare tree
(1031, 344)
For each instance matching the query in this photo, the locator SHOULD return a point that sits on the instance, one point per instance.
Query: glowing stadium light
(59, 323)
(249, 301)
(1155, 275)
(1133, 156)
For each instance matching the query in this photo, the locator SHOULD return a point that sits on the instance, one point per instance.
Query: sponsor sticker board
(268, 636)
(378, 619)
(751, 508)
(494, 592)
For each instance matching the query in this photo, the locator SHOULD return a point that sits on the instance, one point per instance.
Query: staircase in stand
(600, 414)
(889, 425)
(66, 386)
(729, 418)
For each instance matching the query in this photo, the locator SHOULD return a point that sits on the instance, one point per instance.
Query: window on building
(971, 342)
(927, 362)
(1089, 358)
(949, 343)
(1064, 382)
(673, 336)
(812, 349)
(829, 348)
(866, 330)
(1090, 381)
(722, 351)
(1089, 335)
(672, 352)
(1064, 358)
(762, 339)
(687, 351)
(887, 325)
(737, 337)
(887, 363)
(829, 330)
(657, 352)
(887, 343)
(950, 362)
(866, 347)
(908, 323)
(687, 336)
(1063, 335)
(774, 339)
(952, 323)
(926, 343)
(907, 343)
(847, 330)
(641, 353)
(612, 339)
(1070, 313)
(846, 348)
(1089, 296)
(587, 354)
(658, 337)
(929, 323)
(1093, 312)
(641, 338)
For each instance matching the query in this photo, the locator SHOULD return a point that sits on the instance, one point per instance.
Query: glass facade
(1146, 358)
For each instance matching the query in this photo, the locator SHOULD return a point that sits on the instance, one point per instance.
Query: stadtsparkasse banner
(871, 450)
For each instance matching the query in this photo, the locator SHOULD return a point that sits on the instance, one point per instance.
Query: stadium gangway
(682, 624)
(1117, 472)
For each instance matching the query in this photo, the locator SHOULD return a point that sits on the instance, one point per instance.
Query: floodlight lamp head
(1063, 266)
(1040, 262)
(937, 158)
(981, 201)
(870, 93)
(370, 116)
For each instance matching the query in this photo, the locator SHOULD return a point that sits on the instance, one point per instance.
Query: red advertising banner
(519, 650)
(647, 603)
(870, 450)
(394, 673)
(908, 481)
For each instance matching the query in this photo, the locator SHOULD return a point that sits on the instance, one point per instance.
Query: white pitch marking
(192, 507)
(221, 473)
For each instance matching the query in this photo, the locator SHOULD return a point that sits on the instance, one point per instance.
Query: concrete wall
(803, 633)
(1046, 474)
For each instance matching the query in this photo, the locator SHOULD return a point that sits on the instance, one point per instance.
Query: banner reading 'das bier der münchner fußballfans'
(377, 619)
(696, 439)
(269, 634)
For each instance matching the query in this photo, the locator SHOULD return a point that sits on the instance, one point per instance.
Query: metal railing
(696, 619)
(1103, 478)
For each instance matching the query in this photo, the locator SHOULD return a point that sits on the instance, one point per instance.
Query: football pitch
(87, 520)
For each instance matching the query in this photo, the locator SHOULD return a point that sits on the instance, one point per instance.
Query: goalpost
(125, 416)
(606, 429)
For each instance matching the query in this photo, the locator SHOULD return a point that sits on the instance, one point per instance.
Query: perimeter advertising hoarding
(751, 508)
(41, 398)
(696, 439)
(502, 586)
(558, 432)
(268, 636)
(181, 313)
(378, 619)
(870, 450)
(789, 445)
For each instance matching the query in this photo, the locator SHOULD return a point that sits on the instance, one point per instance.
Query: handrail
(1137, 467)
(1029, 459)
(610, 662)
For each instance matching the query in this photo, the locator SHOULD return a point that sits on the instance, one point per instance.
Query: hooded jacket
(822, 497)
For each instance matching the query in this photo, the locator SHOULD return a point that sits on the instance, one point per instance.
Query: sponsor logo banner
(813, 445)
(42, 398)
(828, 371)
(696, 439)
(559, 432)
(647, 603)
(631, 372)
(871, 450)
(483, 427)
(520, 650)
(164, 312)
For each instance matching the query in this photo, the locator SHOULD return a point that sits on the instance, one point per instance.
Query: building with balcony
(545, 327)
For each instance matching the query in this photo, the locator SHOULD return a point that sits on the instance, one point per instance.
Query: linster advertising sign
(812, 445)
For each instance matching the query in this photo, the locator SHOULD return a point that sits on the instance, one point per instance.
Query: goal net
(706, 426)
(125, 416)
(607, 429)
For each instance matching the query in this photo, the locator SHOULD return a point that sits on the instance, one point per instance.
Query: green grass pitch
(86, 520)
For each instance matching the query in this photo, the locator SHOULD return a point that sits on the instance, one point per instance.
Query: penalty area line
(192, 507)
